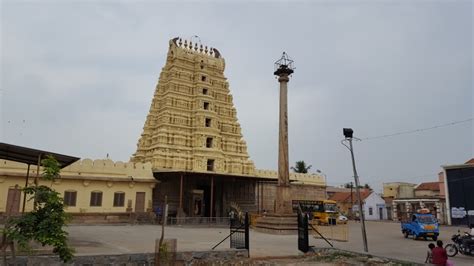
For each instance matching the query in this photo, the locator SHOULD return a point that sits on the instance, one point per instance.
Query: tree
(300, 167)
(351, 185)
(45, 223)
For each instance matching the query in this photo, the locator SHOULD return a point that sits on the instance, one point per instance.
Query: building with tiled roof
(345, 201)
(471, 161)
(427, 189)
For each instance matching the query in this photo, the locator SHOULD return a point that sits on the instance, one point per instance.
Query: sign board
(460, 185)
(458, 212)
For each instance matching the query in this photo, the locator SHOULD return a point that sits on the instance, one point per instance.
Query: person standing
(439, 255)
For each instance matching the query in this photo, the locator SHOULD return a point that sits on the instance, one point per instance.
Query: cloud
(82, 76)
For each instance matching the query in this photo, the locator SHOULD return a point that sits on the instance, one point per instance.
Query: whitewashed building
(374, 207)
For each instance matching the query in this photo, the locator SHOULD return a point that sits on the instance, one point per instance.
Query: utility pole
(348, 137)
(352, 201)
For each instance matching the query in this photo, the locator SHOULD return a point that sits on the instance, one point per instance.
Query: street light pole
(348, 134)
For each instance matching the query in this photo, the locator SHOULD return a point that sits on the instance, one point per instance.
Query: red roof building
(428, 189)
(345, 202)
(470, 161)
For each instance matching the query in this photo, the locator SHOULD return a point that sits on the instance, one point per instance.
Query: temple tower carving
(192, 123)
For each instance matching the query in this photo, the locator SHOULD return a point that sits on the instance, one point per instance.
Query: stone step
(276, 221)
(277, 224)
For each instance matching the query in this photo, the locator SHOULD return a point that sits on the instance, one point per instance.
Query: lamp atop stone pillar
(282, 220)
(283, 69)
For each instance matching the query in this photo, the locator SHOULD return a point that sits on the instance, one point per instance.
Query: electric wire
(419, 130)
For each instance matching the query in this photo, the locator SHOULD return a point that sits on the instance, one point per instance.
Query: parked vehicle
(463, 244)
(342, 219)
(321, 211)
(422, 224)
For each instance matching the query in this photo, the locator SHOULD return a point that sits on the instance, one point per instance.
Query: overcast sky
(78, 78)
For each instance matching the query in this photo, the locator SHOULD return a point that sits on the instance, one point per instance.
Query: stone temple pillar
(394, 211)
(283, 220)
(283, 163)
(408, 209)
(438, 212)
(283, 195)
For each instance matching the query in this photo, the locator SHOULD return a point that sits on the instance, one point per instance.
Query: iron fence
(303, 240)
(338, 232)
(239, 233)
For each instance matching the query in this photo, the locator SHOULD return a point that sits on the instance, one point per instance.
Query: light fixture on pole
(283, 69)
(348, 132)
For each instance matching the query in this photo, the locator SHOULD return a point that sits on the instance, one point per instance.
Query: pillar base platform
(278, 224)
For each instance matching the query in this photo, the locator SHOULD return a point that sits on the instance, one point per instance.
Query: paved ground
(385, 239)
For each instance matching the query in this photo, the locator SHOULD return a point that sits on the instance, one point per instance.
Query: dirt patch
(322, 258)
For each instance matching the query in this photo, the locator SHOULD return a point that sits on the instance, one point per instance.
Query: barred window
(70, 198)
(96, 199)
(119, 199)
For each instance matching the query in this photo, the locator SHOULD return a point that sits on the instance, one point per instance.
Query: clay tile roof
(346, 196)
(340, 196)
(428, 186)
(470, 161)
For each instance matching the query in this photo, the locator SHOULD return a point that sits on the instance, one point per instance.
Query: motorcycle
(463, 244)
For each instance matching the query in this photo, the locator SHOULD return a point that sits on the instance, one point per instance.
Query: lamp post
(348, 132)
(283, 69)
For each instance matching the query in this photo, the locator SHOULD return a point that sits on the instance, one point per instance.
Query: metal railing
(239, 234)
(338, 232)
(199, 221)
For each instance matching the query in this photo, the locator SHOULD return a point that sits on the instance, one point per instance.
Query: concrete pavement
(385, 239)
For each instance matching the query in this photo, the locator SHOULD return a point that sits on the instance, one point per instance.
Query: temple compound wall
(88, 187)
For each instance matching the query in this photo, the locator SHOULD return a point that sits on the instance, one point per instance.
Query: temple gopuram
(194, 142)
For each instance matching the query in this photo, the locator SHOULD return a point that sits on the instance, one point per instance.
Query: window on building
(210, 165)
(206, 106)
(209, 143)
(96, 199)
(208, 122)
(203, 78)
(204, 91)
(70, 198)
(371, 211)
(119, 199)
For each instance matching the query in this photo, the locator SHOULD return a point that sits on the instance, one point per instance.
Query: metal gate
(303, 240)
(239, 233)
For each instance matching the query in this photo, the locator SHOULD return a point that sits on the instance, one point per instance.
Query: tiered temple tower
(192, 123)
